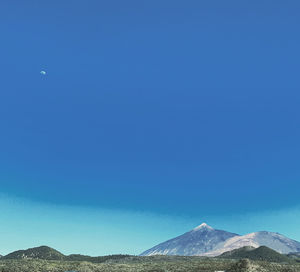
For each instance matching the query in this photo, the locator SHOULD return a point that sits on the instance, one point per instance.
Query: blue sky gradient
(182, 110)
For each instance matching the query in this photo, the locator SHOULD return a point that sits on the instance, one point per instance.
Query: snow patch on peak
(203, 226)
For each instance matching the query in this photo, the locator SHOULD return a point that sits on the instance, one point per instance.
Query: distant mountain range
(47, 253)
(201, 241)
(207, 241)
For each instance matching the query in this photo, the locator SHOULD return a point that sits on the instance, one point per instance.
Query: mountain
(200, 240)
(206, 241)
(42, 252)
(262, 253)
(272, 240)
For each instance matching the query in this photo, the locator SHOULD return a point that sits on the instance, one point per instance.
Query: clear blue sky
(153, 116)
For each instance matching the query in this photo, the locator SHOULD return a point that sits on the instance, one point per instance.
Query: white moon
(43, 72)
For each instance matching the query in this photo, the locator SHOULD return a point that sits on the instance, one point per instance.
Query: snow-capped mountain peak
(203, 226)
(206, 241)
(199, 240)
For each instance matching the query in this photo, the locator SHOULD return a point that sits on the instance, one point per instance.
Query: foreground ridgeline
(160, 264)
(207, 241)
(245, 259)
(203, 249)
(50, 254)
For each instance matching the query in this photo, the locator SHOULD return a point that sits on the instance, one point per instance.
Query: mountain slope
(42, 252)
(262, 253)
(235, 252)
(206, 241)
(295, 256)
(200, 240)
(272, 240)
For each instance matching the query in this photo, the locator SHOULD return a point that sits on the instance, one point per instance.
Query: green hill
(48, 253)
(235, 252)
(262, 253)
(42, 252)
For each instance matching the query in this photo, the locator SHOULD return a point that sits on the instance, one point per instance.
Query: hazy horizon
(97, 232)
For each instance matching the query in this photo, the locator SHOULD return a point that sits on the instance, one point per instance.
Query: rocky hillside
(42, 252)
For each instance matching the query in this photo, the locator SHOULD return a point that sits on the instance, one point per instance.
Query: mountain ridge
(194, 242)
(273, 240)
(206, 241)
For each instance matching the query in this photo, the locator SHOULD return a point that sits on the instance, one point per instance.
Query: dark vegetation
(138, 264)
(48, 253)
(100, 259)
(45, 259)
(42, 252)
(262, 253)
